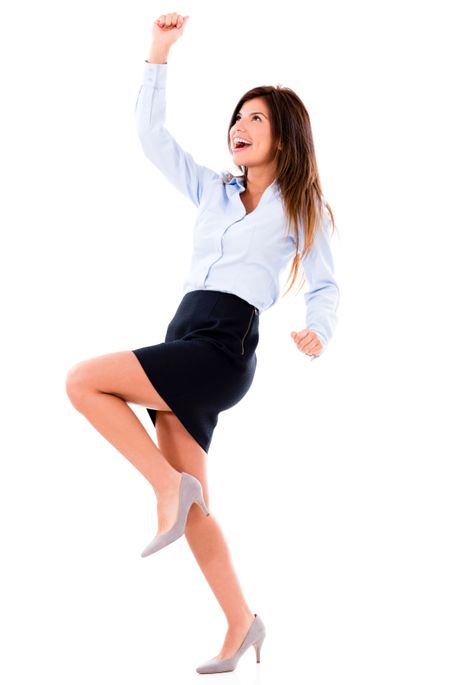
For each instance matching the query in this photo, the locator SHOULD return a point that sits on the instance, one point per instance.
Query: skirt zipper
(248, 328)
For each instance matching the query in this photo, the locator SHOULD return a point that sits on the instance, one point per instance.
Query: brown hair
(297, 172)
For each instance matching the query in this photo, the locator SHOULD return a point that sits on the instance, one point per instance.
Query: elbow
(150, 139)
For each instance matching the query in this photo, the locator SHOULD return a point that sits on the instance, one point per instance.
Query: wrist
(158, 55)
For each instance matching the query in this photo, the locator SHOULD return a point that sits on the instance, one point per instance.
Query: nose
(237, 132)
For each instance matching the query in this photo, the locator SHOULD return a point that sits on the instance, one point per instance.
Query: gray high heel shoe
(190, 492)
(255, 636)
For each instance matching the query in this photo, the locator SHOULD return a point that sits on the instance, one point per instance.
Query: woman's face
(252, 124)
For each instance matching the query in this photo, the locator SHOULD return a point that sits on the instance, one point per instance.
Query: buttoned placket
(238, 203)
(242, 215)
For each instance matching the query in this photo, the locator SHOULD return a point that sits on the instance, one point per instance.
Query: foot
(167, 505)
(235, 637)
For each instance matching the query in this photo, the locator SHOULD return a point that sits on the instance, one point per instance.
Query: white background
(330, 478)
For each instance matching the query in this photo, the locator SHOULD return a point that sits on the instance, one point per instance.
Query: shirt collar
(229, 181)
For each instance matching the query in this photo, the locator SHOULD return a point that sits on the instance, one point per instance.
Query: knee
(76, 385)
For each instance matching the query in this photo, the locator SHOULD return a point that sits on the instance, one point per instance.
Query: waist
(230, 300)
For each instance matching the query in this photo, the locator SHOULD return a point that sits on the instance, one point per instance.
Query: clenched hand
(308, 342)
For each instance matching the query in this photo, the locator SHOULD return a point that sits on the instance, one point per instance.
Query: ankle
(241, 618)
(167, 485)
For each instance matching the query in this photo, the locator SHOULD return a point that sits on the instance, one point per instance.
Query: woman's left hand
(308, 342)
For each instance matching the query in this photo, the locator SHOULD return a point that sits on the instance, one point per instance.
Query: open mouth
(241, 146)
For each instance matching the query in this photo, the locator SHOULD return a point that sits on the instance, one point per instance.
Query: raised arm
(159, 146)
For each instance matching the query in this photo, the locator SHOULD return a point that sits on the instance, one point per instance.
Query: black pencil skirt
(208, 360)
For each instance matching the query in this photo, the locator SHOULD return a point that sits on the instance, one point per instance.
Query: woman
(207, 362)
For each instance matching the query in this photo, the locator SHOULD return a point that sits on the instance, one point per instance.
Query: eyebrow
(264, 115)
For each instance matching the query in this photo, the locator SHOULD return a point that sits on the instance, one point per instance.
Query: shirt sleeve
(323, 295)
(159, 146)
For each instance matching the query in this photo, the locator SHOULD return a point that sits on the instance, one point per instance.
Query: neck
(258, 181)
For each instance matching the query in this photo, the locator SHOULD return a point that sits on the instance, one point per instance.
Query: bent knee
(77, 384)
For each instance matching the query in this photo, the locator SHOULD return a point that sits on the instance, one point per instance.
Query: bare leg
(204, 535)
(211, 551)
(89, 386)
(99, 388)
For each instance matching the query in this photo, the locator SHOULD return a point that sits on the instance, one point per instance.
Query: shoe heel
(202, 504)
(257, 646)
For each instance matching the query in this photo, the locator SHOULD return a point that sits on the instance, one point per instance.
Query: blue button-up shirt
(234, 251)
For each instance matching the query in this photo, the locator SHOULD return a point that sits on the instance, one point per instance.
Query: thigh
(181, 450)
(117, 373)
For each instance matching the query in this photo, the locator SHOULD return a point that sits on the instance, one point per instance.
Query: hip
(220, 318)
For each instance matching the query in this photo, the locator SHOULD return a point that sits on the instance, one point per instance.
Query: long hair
(296, 166)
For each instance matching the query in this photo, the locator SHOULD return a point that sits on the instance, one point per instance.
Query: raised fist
(168, 28)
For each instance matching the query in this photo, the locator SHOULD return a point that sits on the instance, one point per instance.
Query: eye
(238, 116)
